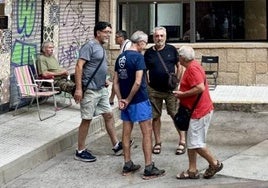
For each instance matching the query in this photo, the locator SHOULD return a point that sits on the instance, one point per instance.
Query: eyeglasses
(117, 36)
(106, 32)
(144, 42)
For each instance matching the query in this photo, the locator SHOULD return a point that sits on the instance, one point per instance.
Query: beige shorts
(197, 132)
(95, 102)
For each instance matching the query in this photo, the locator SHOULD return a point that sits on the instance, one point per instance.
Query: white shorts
(197, 132)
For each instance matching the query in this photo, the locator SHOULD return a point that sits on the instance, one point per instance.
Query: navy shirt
(157, 73)
(126, 66)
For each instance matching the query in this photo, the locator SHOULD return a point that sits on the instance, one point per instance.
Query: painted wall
(68, 23)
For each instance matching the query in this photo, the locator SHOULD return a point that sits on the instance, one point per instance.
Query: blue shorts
(137, 112)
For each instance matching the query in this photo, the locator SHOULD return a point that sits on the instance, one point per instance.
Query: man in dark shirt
(158, 84)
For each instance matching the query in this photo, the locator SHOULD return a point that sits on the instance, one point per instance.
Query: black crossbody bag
(183, 116)
(172, 77)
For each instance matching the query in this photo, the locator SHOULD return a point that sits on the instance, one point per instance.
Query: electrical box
(3, 22)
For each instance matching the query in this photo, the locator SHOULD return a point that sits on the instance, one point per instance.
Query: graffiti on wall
(75, 26)
(26, 37)
(23, 47)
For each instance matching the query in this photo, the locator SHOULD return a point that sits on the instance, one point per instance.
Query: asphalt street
(233, 137)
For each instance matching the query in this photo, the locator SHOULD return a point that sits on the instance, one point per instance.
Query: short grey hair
(139, 36)
(160, 28)
(187, 53)
(45, 44)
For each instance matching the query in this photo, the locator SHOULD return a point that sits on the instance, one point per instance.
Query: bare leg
(146, 129)
(206, 154)
(181, 148)
(109, 125)
(127, 129)
(182, 135)
(192, 155)
(82, 133)
(156, 129)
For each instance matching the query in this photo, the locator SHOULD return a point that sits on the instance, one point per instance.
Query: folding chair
(211, 66)
(63, 95)
(29, 89)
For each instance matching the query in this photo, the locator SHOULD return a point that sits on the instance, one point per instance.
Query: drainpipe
(192, 21)
(97, 10)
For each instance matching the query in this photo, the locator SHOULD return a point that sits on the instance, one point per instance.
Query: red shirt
(194, 75)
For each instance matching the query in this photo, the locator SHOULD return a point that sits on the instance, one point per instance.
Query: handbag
(183, 116)
(172, 77)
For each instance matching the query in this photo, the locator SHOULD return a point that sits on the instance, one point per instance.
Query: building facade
(236, 31)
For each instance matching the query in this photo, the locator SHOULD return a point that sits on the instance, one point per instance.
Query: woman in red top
(192, 84)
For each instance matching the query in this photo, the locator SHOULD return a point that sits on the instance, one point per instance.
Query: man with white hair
(133, 101)
(158, 84)
(49, 67)
(193, 85)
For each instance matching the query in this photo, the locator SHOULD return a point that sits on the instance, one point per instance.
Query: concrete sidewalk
(27, 142)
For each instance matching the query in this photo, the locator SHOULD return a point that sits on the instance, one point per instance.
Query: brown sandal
(157, 149)
(181, 149)
(212, 170)
(188, 175)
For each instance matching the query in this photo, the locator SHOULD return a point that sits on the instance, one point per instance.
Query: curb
(242, 107)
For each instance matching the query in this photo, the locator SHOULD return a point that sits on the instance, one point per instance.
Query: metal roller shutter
(77, 20)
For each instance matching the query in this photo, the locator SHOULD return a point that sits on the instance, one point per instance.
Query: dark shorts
(157, 98)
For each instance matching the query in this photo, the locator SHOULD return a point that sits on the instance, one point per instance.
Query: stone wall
(239, 64)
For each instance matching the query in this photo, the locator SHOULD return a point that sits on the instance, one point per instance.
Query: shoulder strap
(197, 99)
(94, 73)
(162, 61)
(125, 45)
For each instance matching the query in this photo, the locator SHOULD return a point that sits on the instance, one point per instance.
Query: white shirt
(126, 45)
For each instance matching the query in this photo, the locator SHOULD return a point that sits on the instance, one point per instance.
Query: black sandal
(181, 149)
(157, 149)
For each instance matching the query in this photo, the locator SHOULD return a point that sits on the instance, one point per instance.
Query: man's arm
(179, 70)
(116, 86)
(193, 91)
(78, 95)
(136, 85)
(123, 103)
(43, 69)
(48, 74)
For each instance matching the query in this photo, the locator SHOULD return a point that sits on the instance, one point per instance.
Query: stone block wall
(240, 64)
